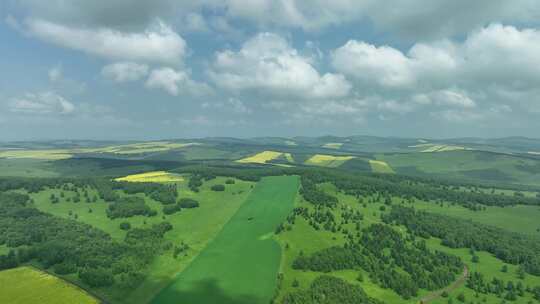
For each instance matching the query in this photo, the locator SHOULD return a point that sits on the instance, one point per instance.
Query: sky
(162, 69)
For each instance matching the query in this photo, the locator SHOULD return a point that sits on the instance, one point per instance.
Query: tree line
(510, 247)
(166, 194)
(327, 289)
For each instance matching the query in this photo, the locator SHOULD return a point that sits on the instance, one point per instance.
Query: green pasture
(26, 167)
(490, 267)
(467, 165)
(304, 238)
(241, 264)
(521, 219)
(196, 227)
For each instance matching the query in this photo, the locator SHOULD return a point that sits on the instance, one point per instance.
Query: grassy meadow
(379, 166)
(520, 218)
(51, 154)
(26, 167)
(241, 264)
(234, 255)
(490, 267)
(304, 238)
(467, 165)
(190, 226)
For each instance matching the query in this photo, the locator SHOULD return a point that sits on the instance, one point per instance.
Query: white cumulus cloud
(175, 82)
(41, 103)
(385, 65)
(267, 63)
(493, 65)
(159, 44)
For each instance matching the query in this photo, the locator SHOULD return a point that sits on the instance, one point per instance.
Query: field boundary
(98, 297)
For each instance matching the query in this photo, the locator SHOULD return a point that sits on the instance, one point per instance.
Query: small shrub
(171, 209)
(125, 226)
(218, 188)
(188, 203)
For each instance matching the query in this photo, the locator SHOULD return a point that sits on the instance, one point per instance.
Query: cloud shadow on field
(203, 292)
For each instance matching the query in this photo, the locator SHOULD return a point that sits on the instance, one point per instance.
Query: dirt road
(436, 294)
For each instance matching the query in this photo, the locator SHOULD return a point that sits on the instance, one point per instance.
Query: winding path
(436, 294)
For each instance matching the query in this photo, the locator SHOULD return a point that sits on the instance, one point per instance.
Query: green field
(467, 165)
(379, 166)
(189, 225)
(490, 267)
(25, 285)
(26, 167)
(303, 238)
(4, 249)
(204, 152)
(521, 219)
(241, 264)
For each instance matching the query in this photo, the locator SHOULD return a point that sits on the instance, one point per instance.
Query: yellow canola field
(152, 177)
(57, 154)
(146, 147)
(261, 158)
(324, 160)
(37, 154)
(24, 285)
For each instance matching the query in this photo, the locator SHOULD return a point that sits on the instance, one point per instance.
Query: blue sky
(171, 69)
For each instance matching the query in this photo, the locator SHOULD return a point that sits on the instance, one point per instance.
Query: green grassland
(190, 226)
(24, 285)
(521, 219)
(26, 167)
(379, 166)
(490, 267)
(467, 165)
(4, 249)
(74, 167)
(204, 152)
(487, 190)
(240, 265)
(471, 165)
(234, 255)
(304, 238)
